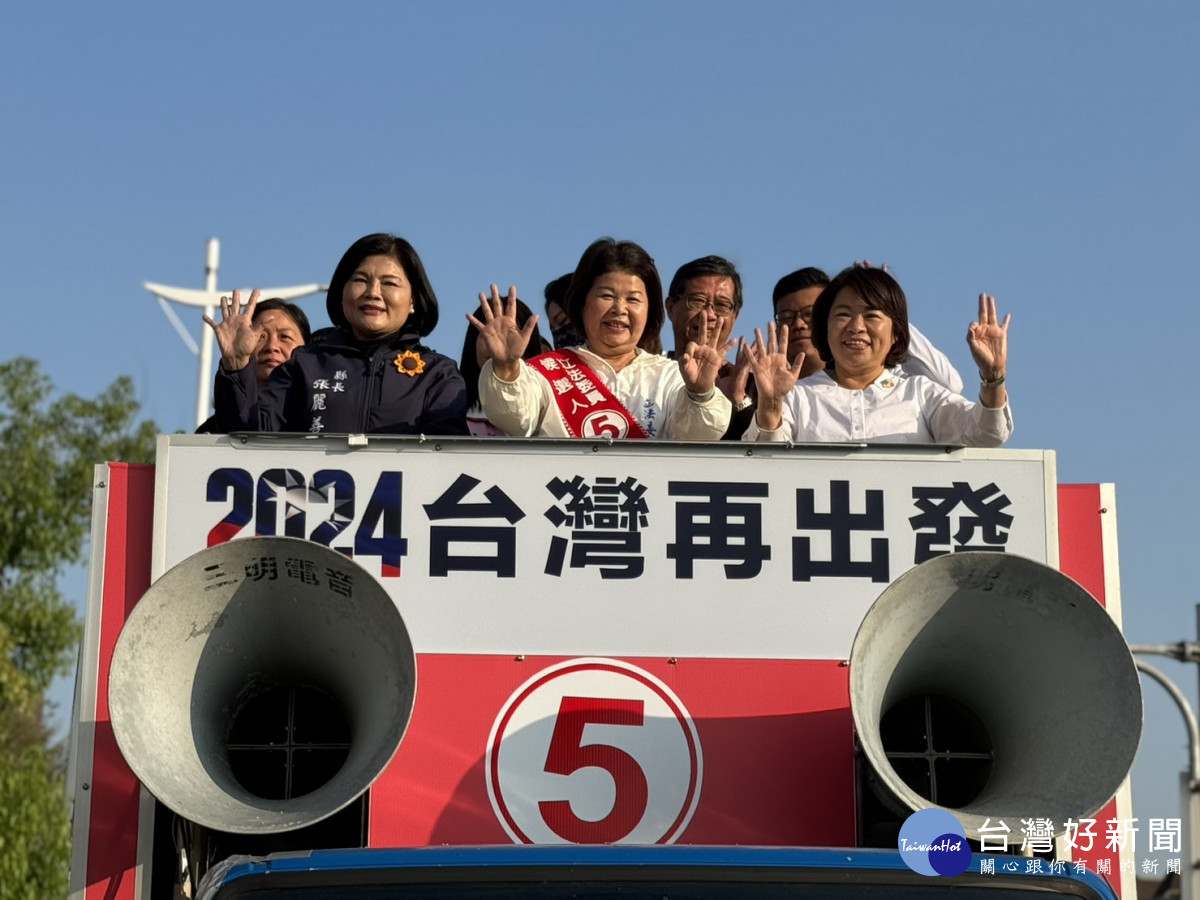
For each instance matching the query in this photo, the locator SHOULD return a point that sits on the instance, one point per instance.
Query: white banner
(635, 548)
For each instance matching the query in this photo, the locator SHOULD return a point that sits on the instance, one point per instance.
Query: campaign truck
(366, 666)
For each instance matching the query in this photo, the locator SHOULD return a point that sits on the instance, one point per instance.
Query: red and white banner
(615, 643)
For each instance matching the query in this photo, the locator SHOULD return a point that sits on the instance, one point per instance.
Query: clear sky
(1042, 152)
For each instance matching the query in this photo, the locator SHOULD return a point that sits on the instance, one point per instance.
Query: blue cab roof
(674, 862)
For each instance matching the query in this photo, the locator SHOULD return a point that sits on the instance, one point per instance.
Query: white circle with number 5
(594, 751)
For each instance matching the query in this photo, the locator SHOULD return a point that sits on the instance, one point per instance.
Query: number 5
(568, 754)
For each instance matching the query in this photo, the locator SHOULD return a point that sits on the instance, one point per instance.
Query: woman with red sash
(614, 385)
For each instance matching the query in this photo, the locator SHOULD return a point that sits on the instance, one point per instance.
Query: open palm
(773, 376)
(504, 339)
(237, 335)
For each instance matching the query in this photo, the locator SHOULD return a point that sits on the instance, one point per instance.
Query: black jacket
(342, 385)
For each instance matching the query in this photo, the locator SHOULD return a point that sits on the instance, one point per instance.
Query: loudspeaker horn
(231, 623)
(1020, 663)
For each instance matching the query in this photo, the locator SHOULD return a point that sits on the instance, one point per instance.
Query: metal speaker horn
(262, 685)
(994, 686)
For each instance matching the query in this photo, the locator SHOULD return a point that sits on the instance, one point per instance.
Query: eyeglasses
(697, 302)
(790, 317)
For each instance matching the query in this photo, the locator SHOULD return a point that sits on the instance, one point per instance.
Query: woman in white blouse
(860, 323)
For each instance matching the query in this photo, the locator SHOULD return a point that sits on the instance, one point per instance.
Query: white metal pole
(1190, 843)
(204, 387)
(208, 300)
(1190, 782)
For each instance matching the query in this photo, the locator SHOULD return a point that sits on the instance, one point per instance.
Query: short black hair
(707, 265)
(424, 316)
(808, 277)
(878, 290)
(295, 313)
(556, 291)
(607, 255)
(468, 364)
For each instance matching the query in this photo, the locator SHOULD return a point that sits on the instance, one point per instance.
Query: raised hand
(505, 341)
(773, 376)
(866, 264)
(733, 385)
(702, 360)
(988, 340)
(237, 335)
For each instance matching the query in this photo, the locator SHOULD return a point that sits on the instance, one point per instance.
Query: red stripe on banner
(1080, 539)
(776, 738)
(112, 831)
(222, 533)
(1081, 556)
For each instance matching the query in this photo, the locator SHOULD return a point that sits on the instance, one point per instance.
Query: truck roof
(676, 872)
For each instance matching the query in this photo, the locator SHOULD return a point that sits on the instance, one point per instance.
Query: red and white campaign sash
(588, 408)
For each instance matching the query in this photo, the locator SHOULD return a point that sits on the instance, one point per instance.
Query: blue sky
(1042, 152)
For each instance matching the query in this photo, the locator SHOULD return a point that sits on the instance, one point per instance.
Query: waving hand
(504, 339)
(702, 360)
(773, 377)
(237, 335)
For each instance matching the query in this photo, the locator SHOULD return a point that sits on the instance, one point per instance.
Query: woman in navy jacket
(367, 374)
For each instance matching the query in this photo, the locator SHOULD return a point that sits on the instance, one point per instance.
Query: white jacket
(650, 388)
(926, 359)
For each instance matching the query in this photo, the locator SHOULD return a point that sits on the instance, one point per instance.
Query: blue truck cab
(662, 872)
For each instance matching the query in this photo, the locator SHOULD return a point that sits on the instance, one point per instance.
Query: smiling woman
(284, 328)
(860, 324)
(377, 299)
(367, 374)
(614, 385)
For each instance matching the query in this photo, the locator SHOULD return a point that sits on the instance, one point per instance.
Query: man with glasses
(706, 294)
(795, 295)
